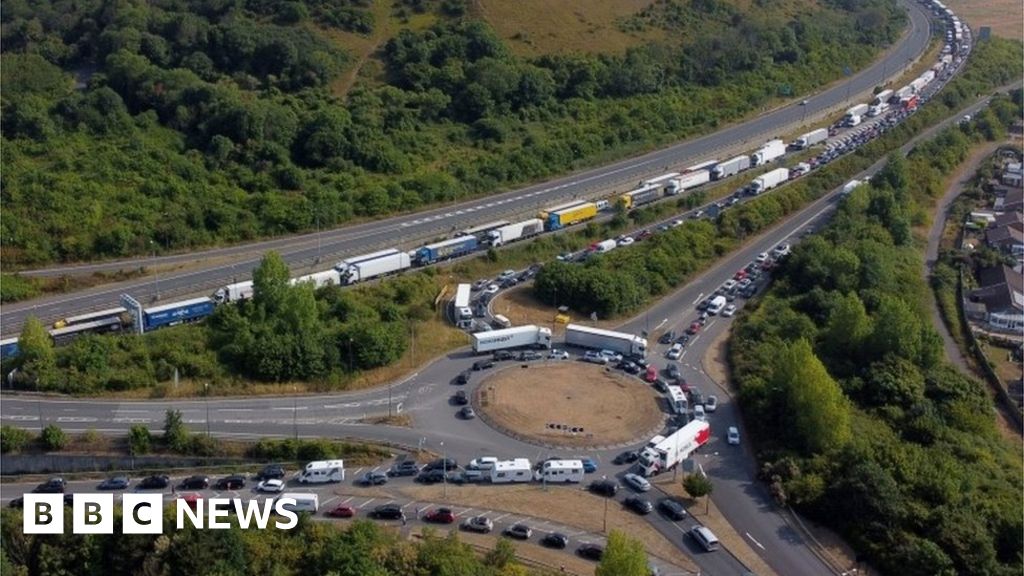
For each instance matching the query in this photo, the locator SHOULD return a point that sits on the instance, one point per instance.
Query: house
(1008, 199)
(1001, 291)
(1006, 239)
(1012, 219)
(1012, 174)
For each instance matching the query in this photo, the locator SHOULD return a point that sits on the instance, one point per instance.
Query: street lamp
(156, 275)
(444, 470)
(206, 399)
(295, 412)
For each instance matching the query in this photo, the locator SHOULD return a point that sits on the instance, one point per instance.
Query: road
(305, 253)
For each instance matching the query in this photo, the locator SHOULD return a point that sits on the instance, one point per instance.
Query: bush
(54, 438)
(175, 433)
(139, 439)
(13, 439)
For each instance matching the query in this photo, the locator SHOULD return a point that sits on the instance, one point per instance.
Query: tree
(819, 413)
(175, 433)
(270, 283)
(36, 354)
(623, 556)
(53, 438)
(503, 554)
(698, 485)
(139, 439)
(13, 439)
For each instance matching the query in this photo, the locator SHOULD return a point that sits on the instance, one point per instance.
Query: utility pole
(295, 413)
(444, 469)
(206, 397)
(156, 275)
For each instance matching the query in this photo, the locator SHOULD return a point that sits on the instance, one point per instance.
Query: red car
(191, 498)
(440, 516)
(651, 375)
(694, 328)
(341, 511)
(740, 275)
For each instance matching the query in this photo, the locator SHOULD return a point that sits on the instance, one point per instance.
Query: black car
(667, 337)
(704, 304)
(628, 367)
(271, 472)
(18, 502)
(483, 364)
(51, 486)
(555, 540)
(467, 413)
(442, 464)
(683, 338)
(154, 483)
(114, 483)
(462, 378)
(606, 488)
(672, 370)
(431, 476)
(503, 355)
(387, 512)
(660, 385)
(591, 552)
(626, 458)
(233, 482)
(461, 398)
(672, 509)
(404, 468)
(639, 505)
(195, 483)
(373, 479)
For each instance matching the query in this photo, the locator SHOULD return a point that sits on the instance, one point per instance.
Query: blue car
(589, 465)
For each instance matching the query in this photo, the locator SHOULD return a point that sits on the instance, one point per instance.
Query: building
(1012, 174)
(1007, 237)
(1001, 292)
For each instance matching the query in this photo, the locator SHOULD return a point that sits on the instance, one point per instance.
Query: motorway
(215, 268)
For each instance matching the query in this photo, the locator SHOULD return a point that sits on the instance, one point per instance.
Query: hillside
(155, 126)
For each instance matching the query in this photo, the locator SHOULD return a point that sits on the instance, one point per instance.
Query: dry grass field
(1006, 17)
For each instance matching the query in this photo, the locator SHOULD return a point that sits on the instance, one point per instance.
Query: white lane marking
(76, 419)
(18, 418)
(754, 541)
(291, 408)
(367, 503)
(329, 500)
(699, 297)
(233, 410)
(498, 519)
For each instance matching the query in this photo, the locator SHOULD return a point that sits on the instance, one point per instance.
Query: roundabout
(569, 404)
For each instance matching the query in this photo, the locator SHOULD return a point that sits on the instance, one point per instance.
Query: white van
(303, 502)
(717, 303)
(502, 321)
(482, 463)
(561, 471)
(704, 537)
(322, 471)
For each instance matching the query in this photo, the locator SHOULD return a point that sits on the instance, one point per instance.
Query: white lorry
(233, 292)
(362, 268)
(878, 109)
(769, 180)
(687, 181)
(516, 231)
(854, 114)
(664, 452)
(811, 138)
(598, 339)
(509, 471)
(882, 97)
(730, 167)
(322, 471)
(318, 279)
(519, 336)
(560, 471)
(771, 150)
(850, 186)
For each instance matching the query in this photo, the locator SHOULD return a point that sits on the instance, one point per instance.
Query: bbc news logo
(144, 513)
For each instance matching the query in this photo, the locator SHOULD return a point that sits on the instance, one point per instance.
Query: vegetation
(172, 126)
(623, 556)
(53, 438)
(139, 439)
(360, 549)
(859, 421)
(13, 439)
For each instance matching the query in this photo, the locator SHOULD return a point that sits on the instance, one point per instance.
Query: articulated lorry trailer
(367, 266)
(771, 150)
(665, 452)
(598, 339)
(857, 111)
(176, 313)
(769, 180)
(520, 336)
(730, 167)
(568, 214)
(446, 249)
(811, 138)
(687, 181)
(516, 231)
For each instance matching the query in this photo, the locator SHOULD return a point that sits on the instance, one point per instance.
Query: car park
(711, 403)
(114, 483)
(733, 436)
(606, 488)
(667, 337)
(467, 413)
(270, 471)
(627, 457)
(388, 512)
(672, 508)
(594, 358)
(636, 482)
(483, 365)
(155, 482)
(591, 552)
(342, 511)
(233, 482)
(555, 540)
(675, 352)
(672, 371)
(195, 483)
(518, 531)
(373, 479)
(270, 486)
(404, 468)
(557, 354)
(729, 311)
(460, 398)
(481, 524)
(639, 505)
(440, 516)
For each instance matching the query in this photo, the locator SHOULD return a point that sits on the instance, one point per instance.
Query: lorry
(811, 138)
(598, 339)
(909, 102)
(878, 109)
(665, 452)
(677, 399)
(482, 231)
(642, 195)
(560, 471)
(660, 180)
(857, 112)
(687, 181)
(516, 231)
(233, 292)
(520, 336)
(604, 246)
(318, 279)
(771, 150)
(568, 214)
(882, 97)
(508, 471)
(446, 249)
(367, 266)
(850, 186)
(176, 313)
(730, 167)
(322, 471)
(769, 180)
(706, 165)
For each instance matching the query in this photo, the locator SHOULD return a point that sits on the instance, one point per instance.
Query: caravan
(322, 471)
(506, 471)
(560, 471)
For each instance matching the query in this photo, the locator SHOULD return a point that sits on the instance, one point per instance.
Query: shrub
(54, 438)
(13, 439)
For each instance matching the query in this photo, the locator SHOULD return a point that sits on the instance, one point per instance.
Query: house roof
(1004, 236)
(1000, 288)
(1012, 219)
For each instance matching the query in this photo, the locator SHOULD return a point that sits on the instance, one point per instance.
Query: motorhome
(507, 471)
(560, 471)
(322, 471)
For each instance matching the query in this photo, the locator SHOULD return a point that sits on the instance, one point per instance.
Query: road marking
(358, 470)
(367, 503)
(409, 504)
(76, 419)
(18, 418)
(292, 409)
(698, 298)
(499, 518)
(329, 500)
(233, 410)
(754, 541)
(465, 512)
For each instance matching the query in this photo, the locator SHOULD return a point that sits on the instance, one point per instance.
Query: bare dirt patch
(609, 408)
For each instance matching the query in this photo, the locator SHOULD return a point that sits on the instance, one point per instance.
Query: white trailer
(660, 180)
(367, 266)
(519, 336)
(708, 165)
(662, 453)
(882, 97)
(233, 292)
(508, 471)
(322, 471)
(730, 167)
(462, 293)
(677, 399)
(319, 279)
(516, 231)
(598, 339)
(560, 471)
(604, 246)
(687, 181)
(483, 230)
(811, 138)
(878, 109)
(771, 150)
(905, 92)
(858, 110)
(769, 180)
(850, 186)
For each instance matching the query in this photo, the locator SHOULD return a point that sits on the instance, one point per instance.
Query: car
(639, 505)
(530, 355)
(636, 482)
(590, 552)
(627, 457)
(441, 464)
(461, 398)
(18, 502)
(676, 223)
(557, 354)
(271, 471)
(729, 311)
(388, 512)
(671, 508)
(803, 102)
(195, 483)
(506, 274)
(667, 337)
(643, 235)
(481, 524)
(564, 257)
(781, 250)
(51, 486)
(271, 486)
(589, 465)
(233, 482)
(699, 413)
(626, 241)
(733, 436)
(555, 540)
(467, 413)
(508, 282)
(740, 275)
(660, 385)
(672, 370)
(651, 374)
(440, 516)
(675, 351)
(628, 367)
(594, 358)
(711, 403)
(501, 355)
(479, 285)
(373, 479)
(114, 483)
(748, 280)
(462, 378)
(698, 214)
(693, 329)
(404, 468)
(466, 477)
(611, 355)
(491, 289)
(696, 396)
(749, 291)
(606, 488)
(683, 339)
(431, 476)
(761, 258)
(704, 304)
(343, 511)
(734, 200)
(518, 531)
(155, 482)
(482, 365)
(729, 285)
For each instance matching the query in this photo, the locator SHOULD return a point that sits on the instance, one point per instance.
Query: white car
(733, 436)
(781, 250)
(762, 258)
(506, 274)
(729, 285)
(611, 356)
(557, 354)
(626, 241)
(491, 289)
(729, 310)
(711, 403)
(676, 223)
(270, 486)
(699, 414)
(594, 358)
(675, 352)
(637, 482)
